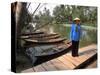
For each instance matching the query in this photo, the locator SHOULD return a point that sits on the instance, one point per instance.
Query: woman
(75, 36)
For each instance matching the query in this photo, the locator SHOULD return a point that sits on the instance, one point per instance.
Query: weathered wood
(24, 37)
(41, 52)
(70, 58)
(69, 62)
(46, 38)
(50, 50)
(49, 66)
(38, 36)
(39, 68)
(43, 35)
(59, 65)
(45, 41)
(28, 70)
(66, 61)
(86, 62)
(85, 54)
(33, 33)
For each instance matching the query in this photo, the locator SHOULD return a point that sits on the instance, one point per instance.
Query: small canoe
(47, 50)
(51, 51)
(34, 33)
(45, 41)
(37, 36)
(46, 38)
(43, 35)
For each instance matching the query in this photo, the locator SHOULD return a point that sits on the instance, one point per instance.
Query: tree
(60, 14)
(42, 18)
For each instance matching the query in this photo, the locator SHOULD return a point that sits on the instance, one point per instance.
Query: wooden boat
(44, 40)
(42, 53)
(43, 35)
(33, 33)
(28, 35)
(50, 51)
(38, 36)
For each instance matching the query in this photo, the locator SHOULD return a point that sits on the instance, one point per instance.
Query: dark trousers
(75, 46)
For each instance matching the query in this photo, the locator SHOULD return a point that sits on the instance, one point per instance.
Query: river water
(89, 35)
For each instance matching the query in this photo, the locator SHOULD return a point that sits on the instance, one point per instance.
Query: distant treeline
(66, 14)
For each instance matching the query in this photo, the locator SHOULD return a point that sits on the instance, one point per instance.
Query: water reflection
(89, 36)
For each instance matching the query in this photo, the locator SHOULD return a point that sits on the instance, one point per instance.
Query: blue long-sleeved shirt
(75, 32)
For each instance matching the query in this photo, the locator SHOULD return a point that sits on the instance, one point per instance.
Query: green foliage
(60, 14)
(42, 18)
(65, 13)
